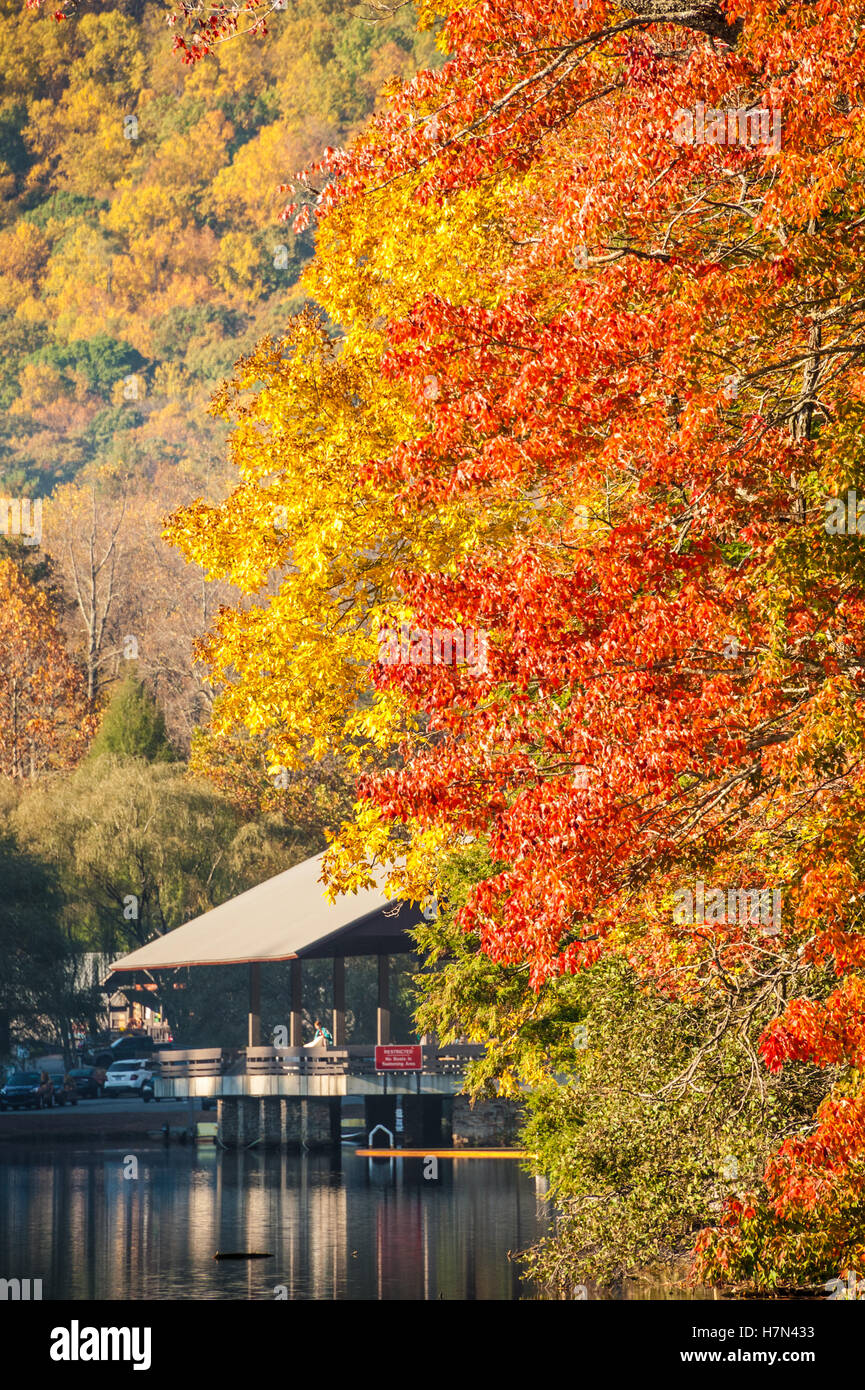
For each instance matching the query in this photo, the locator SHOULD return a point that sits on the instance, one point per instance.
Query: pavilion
(288, 918)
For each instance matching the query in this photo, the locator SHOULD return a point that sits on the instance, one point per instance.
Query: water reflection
(338, 1226)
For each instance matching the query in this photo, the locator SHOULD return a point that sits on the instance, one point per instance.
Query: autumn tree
(43, 711)
(137, 604)
(319, 551)
(167, 607)
(599, 277)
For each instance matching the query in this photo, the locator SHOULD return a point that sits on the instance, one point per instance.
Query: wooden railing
(207, 1061)
(354, 1060)
(296, 1061)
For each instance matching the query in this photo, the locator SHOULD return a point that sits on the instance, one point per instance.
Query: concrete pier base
(303, 1122)
(274, 1122)
(239, 1121)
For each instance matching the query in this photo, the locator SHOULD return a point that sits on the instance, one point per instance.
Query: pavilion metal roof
(284, 918)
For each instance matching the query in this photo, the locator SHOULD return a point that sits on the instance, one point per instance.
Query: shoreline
(51, 1127)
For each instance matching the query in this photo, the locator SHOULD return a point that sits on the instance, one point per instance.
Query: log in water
(243, 1255)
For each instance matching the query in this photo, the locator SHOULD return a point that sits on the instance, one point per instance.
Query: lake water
(337, 1226)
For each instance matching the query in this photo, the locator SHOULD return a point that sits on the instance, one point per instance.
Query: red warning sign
(392, 1057)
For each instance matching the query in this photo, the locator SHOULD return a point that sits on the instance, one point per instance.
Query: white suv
(131, 1075)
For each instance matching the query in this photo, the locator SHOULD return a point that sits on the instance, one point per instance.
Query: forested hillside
(141, 254)
(140, 249)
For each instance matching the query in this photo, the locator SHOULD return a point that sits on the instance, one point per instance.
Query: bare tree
(87, 534)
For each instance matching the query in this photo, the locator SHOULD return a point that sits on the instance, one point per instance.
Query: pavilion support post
(296, 1003)
(254, 1029)
(383, 1011)
(339, 1001)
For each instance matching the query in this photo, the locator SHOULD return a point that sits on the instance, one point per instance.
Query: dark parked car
(26, 1090)
(126, 1046)
(88, 1082)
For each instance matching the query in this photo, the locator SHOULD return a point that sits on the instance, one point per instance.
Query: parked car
(26, 1090)
(130, 1077)
(88, 1081)
(130, 1045)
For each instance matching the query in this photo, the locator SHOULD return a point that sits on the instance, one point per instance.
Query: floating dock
(442, 1153)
